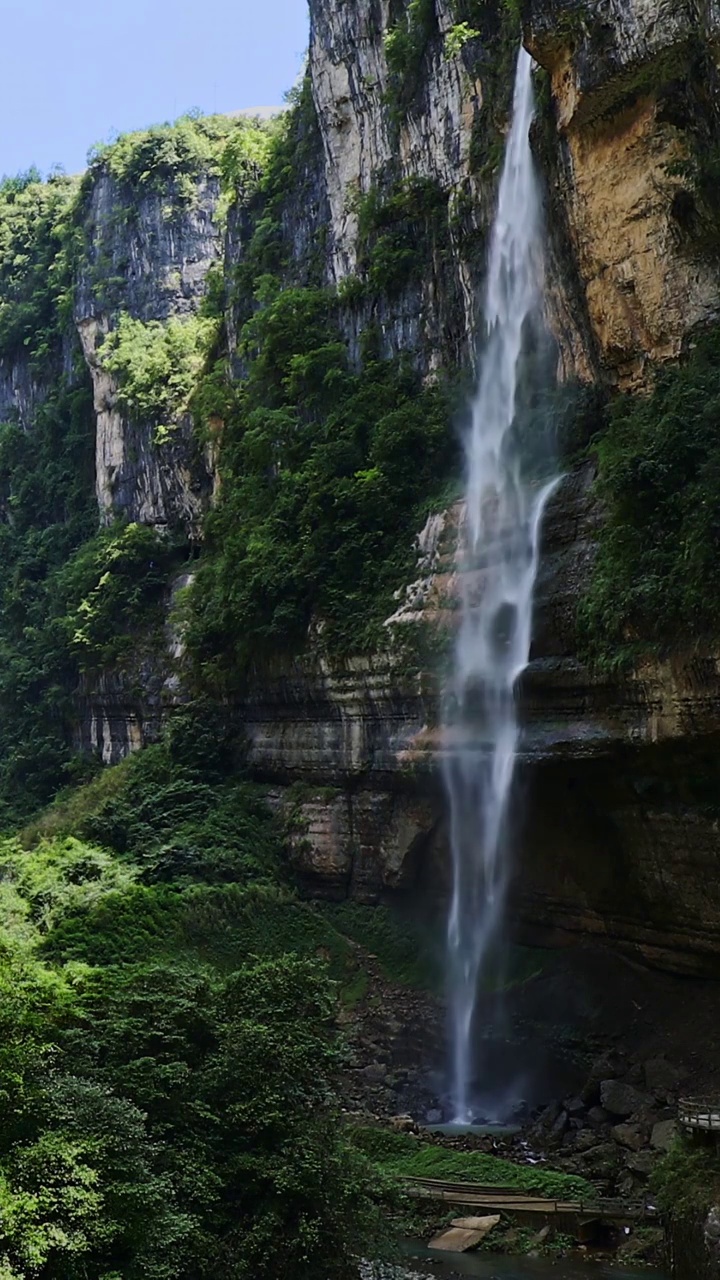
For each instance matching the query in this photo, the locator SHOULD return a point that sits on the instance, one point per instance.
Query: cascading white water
(498, 558)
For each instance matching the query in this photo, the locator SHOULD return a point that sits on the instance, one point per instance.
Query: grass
(400, 1155)
(403, 954)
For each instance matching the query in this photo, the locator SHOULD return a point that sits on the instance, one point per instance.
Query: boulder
(663, 1134)
(403, 1124)
(598, 1117)
(460, 1237)
(547, 1118)
(603, 1160)
(558, 1129)
(633, 1136)
(608, 1067)
(484, 1223)
(574, 1106)
(587, 1139)
(711, 1229)
(642, 1162)
(622, 1099)
(374, 1072)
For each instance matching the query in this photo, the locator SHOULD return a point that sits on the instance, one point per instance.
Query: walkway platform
(574, 1214)
(700, 1114)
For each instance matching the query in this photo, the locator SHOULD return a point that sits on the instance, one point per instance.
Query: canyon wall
(619, 773)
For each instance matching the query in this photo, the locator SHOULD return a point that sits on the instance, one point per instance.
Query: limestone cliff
(615, 767)
(148, 253)
(387, 204)
(634, 95)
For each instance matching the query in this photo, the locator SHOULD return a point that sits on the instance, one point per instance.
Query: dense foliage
(400, 232)
(73, 600)
(326, 474)
(35, 253)
(657, 578)
(173, 157)
(169, 1038)
(157, 365)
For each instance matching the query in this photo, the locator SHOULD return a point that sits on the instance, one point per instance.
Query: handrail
(700, 1113)
(513, 1199)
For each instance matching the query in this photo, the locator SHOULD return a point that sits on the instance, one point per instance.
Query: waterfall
(497, 568)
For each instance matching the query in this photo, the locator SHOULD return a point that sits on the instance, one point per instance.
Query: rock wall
(448, 132)
(618, 775)
(630, 118)
(147, 253)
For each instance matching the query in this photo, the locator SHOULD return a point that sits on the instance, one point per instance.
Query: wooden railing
(507, 1200)
(700, 1113)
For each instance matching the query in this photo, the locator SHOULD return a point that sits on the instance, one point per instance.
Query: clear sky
(76, 71)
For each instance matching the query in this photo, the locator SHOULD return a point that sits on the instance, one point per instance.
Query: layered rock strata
(619, 774)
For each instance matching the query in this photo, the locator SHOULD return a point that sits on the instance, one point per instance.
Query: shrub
(178, 155)
(656, 581)
(157, 365)
(405, 47)
(318, 507)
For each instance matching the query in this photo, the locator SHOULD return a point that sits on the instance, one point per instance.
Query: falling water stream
(497, 568)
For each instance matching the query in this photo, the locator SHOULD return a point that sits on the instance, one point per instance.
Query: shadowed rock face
(617, 786)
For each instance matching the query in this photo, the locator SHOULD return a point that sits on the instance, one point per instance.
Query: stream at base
(486, 1266)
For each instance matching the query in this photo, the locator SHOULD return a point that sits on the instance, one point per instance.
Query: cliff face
(635, 96)
(619, 838)
(391, 207)
(147, 255)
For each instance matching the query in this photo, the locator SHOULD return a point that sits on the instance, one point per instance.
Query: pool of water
(476, 1130)
(486, 1266)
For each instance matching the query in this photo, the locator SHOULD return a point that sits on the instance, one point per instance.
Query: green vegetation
(405, 47)
(48, 511)
(157, 365)
(457, 37)
(488, 132)
(318, 507)
(66, 605)
(657, 577)
(169, 1039)
(172, 158)
(399, 1154)
(400, 234)
(73, 600)
(35, 279)
(687, 1178)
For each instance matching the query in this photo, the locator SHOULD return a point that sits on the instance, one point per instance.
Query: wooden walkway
(700, 1114)
(502, 1200)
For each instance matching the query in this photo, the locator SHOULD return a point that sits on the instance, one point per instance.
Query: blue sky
(76, 71)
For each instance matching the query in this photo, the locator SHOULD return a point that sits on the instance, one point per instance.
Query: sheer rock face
(364, 149)
(625, 79)
(618, 777)
(147, 255)
(369, 143)
(360, 139)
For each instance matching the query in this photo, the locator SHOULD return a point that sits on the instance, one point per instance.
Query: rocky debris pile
(395, 1037)
(620, 1124)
